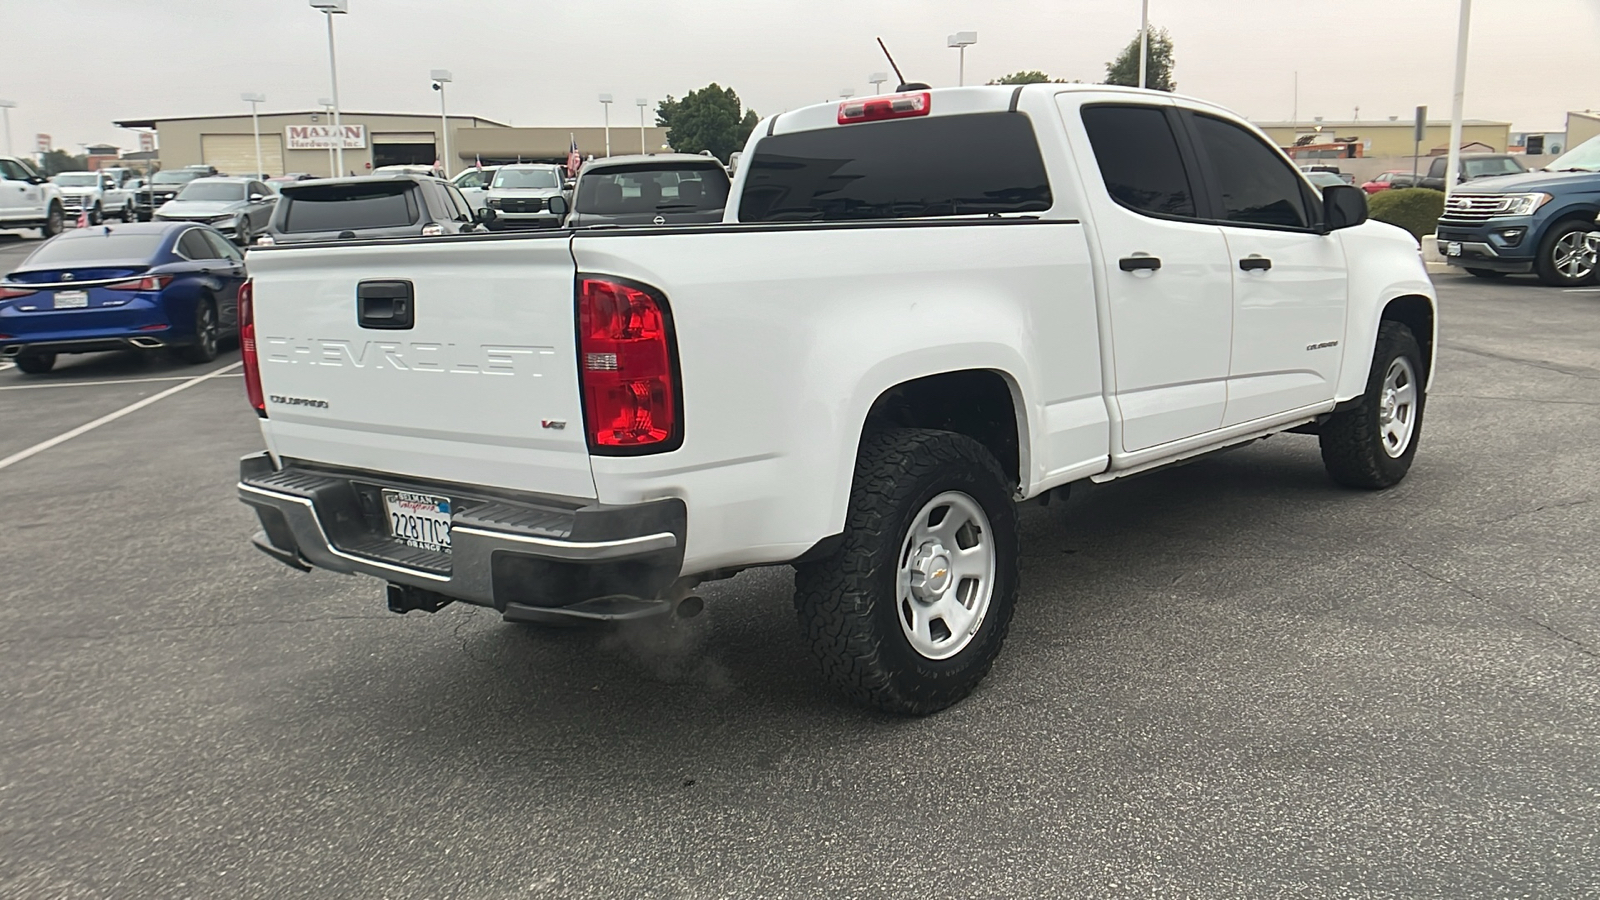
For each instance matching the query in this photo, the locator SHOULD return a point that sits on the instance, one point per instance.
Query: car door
(260, 209)
(19, 197)
(229, 270)
(1167, 284)
(1290, 286)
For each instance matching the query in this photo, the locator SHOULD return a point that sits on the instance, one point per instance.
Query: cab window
(1256, 185)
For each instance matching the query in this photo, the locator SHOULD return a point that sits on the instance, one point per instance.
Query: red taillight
(247, 348)
(147, 283)
(630, 395)
(8, 293)
(891, 106)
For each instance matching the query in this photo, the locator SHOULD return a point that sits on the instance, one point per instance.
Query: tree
(1125, 70)
(1030, 76)
(57, 161)
(708, 119)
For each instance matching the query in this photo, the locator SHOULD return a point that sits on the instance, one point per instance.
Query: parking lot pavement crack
(202, 626)
(1540, 508)
(1567, 639)
(1574, 371)
(1536, 400)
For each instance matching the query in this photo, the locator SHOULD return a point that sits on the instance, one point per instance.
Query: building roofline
(151, 121)
(1363, 123)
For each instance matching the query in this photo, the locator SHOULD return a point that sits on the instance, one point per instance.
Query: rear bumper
(516, 553)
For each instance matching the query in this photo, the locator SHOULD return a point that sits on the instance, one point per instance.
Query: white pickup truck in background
(920, 309)
(98, 193)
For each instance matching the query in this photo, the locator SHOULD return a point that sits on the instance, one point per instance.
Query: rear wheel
(1565, 258)
(36, 363)
(912, 609)
(1485, 273)
(1372, 445)
(204, 348)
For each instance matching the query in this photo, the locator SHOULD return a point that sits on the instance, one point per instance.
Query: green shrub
(1417, 210)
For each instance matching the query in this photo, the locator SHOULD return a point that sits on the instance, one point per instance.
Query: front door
(1289, 281)
(1166, 275)
(18, 198)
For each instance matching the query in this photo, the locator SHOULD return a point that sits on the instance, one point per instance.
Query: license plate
(1452, 249)
(418, 520)
(72, 299)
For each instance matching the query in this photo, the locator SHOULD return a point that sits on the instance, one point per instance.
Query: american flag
(573, 159)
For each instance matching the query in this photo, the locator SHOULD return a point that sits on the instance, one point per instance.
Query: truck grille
(1473, 209)
(518, 205)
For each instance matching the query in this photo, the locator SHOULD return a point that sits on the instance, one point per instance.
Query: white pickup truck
(920, 309)
(98, 193)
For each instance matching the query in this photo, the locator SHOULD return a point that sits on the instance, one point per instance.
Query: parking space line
(7, 365)
(62, 384)
(1580, 290)
(62, 438)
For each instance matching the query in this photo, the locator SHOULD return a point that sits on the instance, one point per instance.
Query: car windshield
(1324, 179)
(1585, 157)
(78, 179)
(93, 247)
(651, 187)
(174, 177)
(213, 190)
(515, 179)
(346, 207)
(1492, 165)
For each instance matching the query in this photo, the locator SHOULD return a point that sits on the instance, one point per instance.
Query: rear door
(449, 360)
(1289, 280)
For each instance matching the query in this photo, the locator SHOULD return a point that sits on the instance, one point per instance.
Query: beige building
(502, 145)
(1391, 137)
(1581, 126)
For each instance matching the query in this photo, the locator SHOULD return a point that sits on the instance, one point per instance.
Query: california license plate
(1452, 249)
(418, 520)
(72, 299)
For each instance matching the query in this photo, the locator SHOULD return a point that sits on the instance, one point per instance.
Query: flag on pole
(478, 161)
(83, 215)
(573, 159)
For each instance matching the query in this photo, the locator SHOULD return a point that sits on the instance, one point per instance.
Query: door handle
(385, 304)
(1252, 263)
(1135, 263)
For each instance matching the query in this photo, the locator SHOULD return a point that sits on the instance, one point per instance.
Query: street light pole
(605, 104)
(255, 126)
(332, 8)
(6, 106)
(642, 102)
(1454, 158)
(441, 77)
(961, 40)
(876, 79)
(1144, 42)
(327, 108)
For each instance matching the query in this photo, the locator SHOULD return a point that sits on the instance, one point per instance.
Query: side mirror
(37, 179)
(569, 185)
(558, 205)
(485, 216)
(257, 198)
(1343, 206)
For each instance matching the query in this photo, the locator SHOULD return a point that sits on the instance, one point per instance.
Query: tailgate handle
(385, 304)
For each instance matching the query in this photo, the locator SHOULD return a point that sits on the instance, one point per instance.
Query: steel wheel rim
(946, 575)
(1572, 255)
(1397, 407)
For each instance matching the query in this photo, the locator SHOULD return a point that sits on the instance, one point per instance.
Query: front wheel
(96, 216)
(128, 213)
(910, 611)
(54, 221)
(242, 232)
(1372, 445)
(1565, 258)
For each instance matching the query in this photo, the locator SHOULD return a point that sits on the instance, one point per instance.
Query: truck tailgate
(480, 387)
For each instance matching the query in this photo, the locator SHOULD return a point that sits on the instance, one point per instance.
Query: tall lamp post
(1144, 43)
(642, 103)
(1459, 100)
(6, 106)
(255, 126)
(605, 103)
(327, 107)
(333, 8)
(876, 79)
(961, 40)
(441, 77)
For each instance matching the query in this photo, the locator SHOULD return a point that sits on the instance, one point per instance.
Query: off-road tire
(1544, 264)
(36, 363)
(847, 603)
(1352, 448)
(1490, 274)
(204, 349)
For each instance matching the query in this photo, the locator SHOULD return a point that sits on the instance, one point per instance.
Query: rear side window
(347, 207)
(193, 245)
(1139, 159)
(651, 187)
(899, 169)
(1257, 186)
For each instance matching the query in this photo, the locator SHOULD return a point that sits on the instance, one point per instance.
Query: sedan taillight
(8, 293)
(147, 283)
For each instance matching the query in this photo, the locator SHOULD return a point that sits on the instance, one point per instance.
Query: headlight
(265, 241)
(432, 229)
(1524, 204)
(217, 220)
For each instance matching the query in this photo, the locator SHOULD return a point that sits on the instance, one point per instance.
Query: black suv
(368, 206)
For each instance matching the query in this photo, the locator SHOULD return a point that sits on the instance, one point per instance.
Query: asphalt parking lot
(1227, 679)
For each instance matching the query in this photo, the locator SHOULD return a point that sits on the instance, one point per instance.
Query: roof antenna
(904, 85)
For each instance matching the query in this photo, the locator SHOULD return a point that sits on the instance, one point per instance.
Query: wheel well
(973, 402)
(1416, 313)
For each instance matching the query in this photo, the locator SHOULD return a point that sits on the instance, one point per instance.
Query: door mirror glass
(1343, 206)
(558, 205)
(486, 215)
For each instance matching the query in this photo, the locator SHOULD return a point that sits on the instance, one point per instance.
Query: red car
(1388, 180)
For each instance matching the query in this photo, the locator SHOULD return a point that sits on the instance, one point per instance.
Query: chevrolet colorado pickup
(919, 310)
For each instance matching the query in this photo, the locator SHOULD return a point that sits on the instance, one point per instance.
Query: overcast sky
(540, 62)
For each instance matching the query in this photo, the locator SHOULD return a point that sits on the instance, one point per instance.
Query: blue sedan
(172, 286)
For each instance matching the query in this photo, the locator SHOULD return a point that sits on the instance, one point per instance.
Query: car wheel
(242, 232)
(36, 363)
(129, 214)
(204, 348)
(96, 215)
(1565, 258)
(1485, 273)
(1372, 445)
(54, 221)
(910, 611)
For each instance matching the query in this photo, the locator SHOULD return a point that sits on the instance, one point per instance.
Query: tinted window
(116, 245)
(176, 177)
(193, 245)
(257, 187)
(651, 187)
(1139, 159)
(899, 169)
(346, 207)
(1493, 165)
(221, 247)
(1257, 186)
(212, 191)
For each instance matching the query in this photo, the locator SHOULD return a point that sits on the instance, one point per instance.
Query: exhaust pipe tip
(689, 607)
(145, 343)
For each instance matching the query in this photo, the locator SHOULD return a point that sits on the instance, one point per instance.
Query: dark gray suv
(366, 207)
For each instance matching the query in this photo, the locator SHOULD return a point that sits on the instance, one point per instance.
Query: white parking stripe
(63, 384)
(6, 365)
(62, 438)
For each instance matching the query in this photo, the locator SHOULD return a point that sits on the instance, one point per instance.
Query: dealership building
(303, 141)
